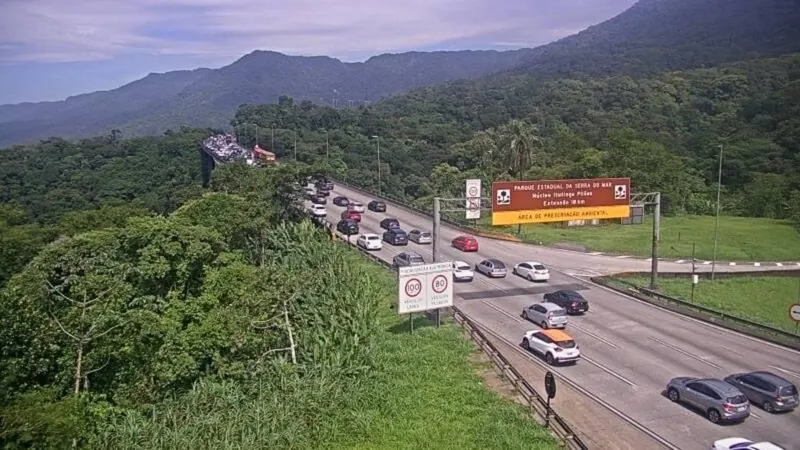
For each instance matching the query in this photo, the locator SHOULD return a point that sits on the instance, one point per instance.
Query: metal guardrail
(683, 306)
(536, 403)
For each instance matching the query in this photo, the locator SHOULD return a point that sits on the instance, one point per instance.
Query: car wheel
(525, 314)
(549, 359)
(526, 345)
(673, 394)
(713, 416)
(768, 407)
(544, 324)
(530, 277)
(514, 271)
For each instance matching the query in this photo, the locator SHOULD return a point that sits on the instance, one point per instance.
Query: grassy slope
(740, 238)
(432, 397)
(759, 299)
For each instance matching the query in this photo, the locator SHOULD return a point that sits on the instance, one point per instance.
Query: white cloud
(88, 30)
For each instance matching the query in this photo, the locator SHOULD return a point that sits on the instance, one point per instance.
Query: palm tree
(521, 142)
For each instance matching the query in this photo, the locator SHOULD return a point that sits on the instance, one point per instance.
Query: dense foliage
(101, 326)
(663, 132)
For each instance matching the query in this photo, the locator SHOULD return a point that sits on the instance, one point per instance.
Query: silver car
(493, 268)
(408, 259)
(420, 237)
(767, 390)
(547, 315)
(717, 399)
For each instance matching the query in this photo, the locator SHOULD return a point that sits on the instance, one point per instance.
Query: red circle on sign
(473, 191)
(413, 287)
(440, 280)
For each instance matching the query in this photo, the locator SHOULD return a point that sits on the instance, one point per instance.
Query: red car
(466, 243)
(351, 215)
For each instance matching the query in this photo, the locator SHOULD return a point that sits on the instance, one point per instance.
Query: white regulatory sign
(473, 195)
(794, 312)
(421, 288)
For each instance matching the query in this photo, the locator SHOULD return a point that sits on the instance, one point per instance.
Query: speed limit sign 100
(413, 287)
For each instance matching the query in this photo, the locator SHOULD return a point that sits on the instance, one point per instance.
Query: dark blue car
(396, 236)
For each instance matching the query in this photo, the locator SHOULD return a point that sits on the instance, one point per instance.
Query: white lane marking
(758, 264)
(797, 264)
(681, 316)
(705, 263)
(732, 264)
(786, 371)
(754, 415)
(596, 253)
(623, 256)
(779, 264)
(649, 259)
(685, 352)
(680, 261)
(484, 280)
(501, 311)
(599, 338)
(609, 371)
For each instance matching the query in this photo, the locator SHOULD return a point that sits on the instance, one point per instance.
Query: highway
(630, 349)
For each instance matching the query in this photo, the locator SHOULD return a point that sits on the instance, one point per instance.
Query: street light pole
(378, 140)
(716, 224)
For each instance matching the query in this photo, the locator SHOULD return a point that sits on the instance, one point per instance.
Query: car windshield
(425, 234)
(788, 390)
(498, 264)
(462, 267)
(415, 258)
(736, 399)
(539, 267)
(373, 238)
(566, 344)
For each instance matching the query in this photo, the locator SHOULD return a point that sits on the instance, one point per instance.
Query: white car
(555, 346)
(318, 211)
(737, 443)
(462, 271)
(532, 271)
(356, 206)
(369, 241)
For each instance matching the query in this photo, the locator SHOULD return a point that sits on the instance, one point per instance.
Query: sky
(51, 49)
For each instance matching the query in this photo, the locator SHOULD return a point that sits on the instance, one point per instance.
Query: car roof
(720, 385)
(461, 263)
(390, 218)
(371, 235)
(495, 261)
(549, 306)
(533, 263)
(557, 335)
(771, 377)
(411, 254)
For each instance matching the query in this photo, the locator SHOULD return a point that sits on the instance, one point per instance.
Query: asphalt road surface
(630, 349)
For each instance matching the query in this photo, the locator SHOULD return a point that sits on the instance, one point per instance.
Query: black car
(341, 201)
(347, 227)
(377, 206)
(571, 301)
(388, 224)
(395, 236)
(319, 199)
(325, 192)
(325, 184)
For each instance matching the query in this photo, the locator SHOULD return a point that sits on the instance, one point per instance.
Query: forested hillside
(206, 97)
(664, 132)
(654, 36)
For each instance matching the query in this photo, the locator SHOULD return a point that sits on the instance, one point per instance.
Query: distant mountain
(209, 98)
(657, 35)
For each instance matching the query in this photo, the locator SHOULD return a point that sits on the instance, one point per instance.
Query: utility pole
(437, 212)
(716, 224)
(656, 238)
(378, 139)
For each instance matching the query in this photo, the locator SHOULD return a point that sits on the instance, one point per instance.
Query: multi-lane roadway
(630, 348)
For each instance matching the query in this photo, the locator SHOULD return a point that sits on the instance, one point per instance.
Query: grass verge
(432, 396)
(764, 300)
(739, 238)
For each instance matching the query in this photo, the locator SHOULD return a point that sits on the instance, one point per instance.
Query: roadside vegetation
(230, 322)
(739, 239)
(760, 299)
